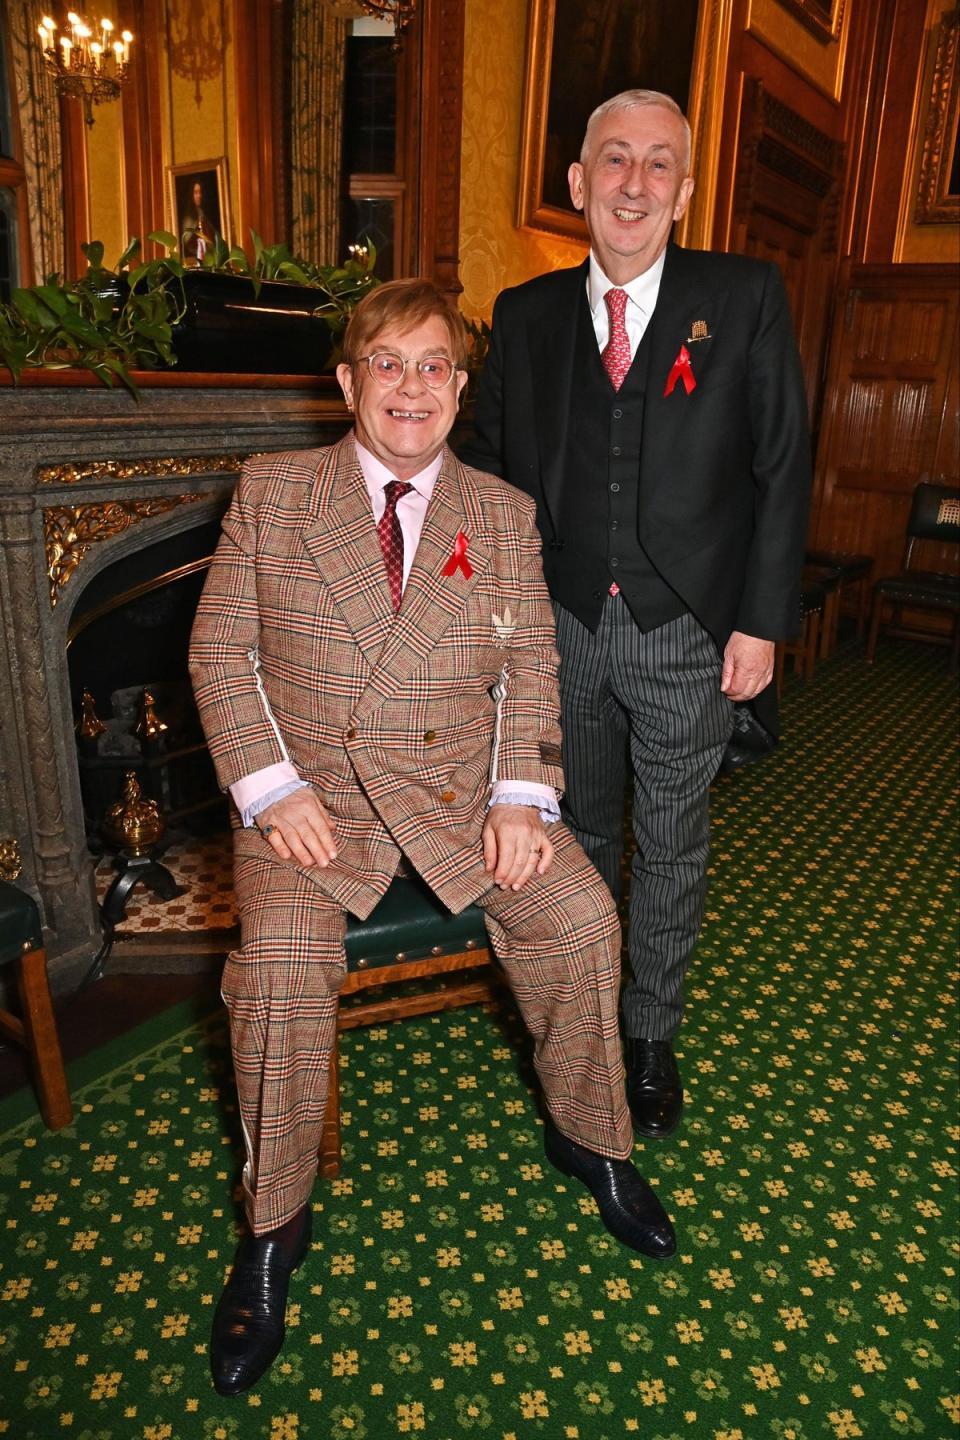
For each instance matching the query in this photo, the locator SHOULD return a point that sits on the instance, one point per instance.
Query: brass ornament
(70, 530)
(149, 726)
(699, 331)
(133, 823)
(948, 512)
(89, 726)
(178, 466)
(10, 862)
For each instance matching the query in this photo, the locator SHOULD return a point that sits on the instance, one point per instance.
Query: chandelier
(88, 63)
(400, 12)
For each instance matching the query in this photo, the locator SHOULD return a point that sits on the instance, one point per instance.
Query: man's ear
(345, 381)
(575, 181)
(683, 199)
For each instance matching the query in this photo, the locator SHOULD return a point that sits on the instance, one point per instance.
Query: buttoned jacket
(401, 722)
(723, 488)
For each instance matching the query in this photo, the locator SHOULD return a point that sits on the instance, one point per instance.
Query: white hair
(630, 100)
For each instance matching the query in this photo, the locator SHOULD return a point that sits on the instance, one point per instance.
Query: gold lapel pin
(699, 332)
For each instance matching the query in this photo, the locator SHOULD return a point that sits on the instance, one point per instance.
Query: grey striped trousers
(653, 697)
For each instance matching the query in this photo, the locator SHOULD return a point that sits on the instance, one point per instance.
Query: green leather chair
(21, 944)
(409, 937)
(934, 516)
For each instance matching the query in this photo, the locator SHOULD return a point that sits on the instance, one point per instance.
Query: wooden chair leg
(874, 629)
(329, 1166)
(955, 644)
(778, 668)
(809, 657)
(42, 1041)
(863, 604)
(831, 615)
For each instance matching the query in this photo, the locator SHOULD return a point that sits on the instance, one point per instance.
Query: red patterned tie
(616, 355)
(391, 538)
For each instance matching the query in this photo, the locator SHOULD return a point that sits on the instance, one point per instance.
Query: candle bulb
(66, 47)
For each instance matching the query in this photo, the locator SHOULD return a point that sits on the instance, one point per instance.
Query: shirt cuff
(255, 792)
(516, 792)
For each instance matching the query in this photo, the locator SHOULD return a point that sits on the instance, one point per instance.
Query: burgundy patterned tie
(616, 353)
(391, 538)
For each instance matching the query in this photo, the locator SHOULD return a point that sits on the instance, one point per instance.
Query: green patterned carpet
(457, 1287)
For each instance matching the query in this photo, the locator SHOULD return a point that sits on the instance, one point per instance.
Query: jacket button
(448, 797)
(429, 736)
(616, 450)
(352, 733)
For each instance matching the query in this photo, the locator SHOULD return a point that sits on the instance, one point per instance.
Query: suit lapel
(552, 350)
(684, 298)
(431, 600)
(341, 540)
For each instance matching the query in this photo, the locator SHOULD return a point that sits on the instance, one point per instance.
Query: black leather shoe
(654, 1091)
(248, 1326)
(628, 1207)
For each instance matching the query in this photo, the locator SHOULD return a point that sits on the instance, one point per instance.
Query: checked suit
(401, 723)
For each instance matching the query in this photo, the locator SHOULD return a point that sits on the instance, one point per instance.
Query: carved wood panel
(786, 200)
(892, 409)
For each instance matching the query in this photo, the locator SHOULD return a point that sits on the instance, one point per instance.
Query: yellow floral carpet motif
(459, 1288)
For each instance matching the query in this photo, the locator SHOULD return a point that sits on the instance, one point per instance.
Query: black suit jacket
(724, 479)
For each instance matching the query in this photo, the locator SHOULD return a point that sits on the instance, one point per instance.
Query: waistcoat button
(448, 797)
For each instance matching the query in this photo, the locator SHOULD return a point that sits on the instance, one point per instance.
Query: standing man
(651, 401)
(375, 669)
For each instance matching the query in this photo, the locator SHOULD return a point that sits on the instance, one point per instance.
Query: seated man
(374, 664)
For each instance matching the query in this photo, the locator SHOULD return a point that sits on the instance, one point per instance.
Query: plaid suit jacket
(399, 722)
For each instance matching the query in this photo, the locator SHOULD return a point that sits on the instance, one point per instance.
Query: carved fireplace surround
(88, 477)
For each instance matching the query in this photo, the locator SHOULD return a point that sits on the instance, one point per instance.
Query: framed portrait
(579, 53)
(938, 191)
(200, 207)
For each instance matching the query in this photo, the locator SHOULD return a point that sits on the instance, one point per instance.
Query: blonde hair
(404, 304)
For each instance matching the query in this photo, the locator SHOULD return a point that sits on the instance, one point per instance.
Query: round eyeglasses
(388, 369)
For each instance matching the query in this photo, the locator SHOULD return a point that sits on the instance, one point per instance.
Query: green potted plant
(276, 313)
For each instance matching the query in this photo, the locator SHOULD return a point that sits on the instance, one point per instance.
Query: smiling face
(404, 425)
(631, 187)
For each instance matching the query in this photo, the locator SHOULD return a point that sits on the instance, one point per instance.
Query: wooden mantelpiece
(88, 476)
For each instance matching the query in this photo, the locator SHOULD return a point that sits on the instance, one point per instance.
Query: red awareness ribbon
(680, 370)
(458, 560)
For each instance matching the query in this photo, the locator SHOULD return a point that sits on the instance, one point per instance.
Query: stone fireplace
(90, 480)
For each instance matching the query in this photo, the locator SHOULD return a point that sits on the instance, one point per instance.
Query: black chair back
(934, 515)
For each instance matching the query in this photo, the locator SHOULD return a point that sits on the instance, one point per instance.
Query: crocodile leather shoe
(628, 1207)
(248, 1326)
(654, 1091)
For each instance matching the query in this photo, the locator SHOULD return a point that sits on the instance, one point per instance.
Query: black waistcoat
(599, 504)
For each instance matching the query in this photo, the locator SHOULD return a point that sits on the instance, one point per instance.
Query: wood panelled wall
(819, 176)
(890, 417)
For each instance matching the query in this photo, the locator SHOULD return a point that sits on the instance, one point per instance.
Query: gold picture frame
(196, 225)
(938, 190)
(808, 35)
(537, 207)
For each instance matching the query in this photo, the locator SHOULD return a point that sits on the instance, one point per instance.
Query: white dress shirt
(256, 792)
(641, 300)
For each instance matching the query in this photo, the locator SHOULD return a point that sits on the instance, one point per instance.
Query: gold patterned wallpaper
(493, 252)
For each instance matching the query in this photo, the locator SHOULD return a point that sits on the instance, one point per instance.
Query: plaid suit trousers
(558, 941)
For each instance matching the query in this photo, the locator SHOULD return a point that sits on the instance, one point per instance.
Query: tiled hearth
(203, 871)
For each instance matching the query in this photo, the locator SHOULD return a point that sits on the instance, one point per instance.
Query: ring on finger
(268, 830)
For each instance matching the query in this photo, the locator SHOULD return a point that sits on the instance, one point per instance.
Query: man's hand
(747, 666)
(299, 829)
(515, 845)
